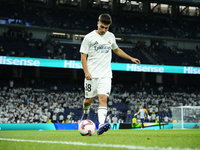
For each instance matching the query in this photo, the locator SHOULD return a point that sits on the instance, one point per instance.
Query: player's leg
(143, 124)
(86, 108)
(102, 111)
(86, 104)
(115, 125)
(142, 120)
(89, 95)
(103, 90)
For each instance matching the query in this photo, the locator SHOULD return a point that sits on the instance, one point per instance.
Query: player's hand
(88, 76)
(135, 114)
(135, 60)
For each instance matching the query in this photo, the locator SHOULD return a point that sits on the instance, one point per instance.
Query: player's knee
(103, 100)
(88, 101)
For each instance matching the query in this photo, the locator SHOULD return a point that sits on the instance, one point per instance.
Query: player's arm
(146, 112)
(137, 113)
(122, 54)
(84, 64)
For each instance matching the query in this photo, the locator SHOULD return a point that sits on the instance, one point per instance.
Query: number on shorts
(88, 87)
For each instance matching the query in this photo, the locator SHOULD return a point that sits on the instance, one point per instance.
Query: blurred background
(158, 32)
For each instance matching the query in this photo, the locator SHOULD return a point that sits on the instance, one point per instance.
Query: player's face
(102, 28)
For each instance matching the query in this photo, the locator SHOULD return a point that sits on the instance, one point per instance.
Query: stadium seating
(177, 57)
(65, 19)
(26, 95)
(23, 47)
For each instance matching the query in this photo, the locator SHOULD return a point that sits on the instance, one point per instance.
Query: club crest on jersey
(86, 93)
(109, 41)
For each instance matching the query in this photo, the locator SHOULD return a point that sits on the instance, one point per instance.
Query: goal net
(186, 117)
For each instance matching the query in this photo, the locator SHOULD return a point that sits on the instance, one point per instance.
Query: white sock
(86, 109)
(102, 112)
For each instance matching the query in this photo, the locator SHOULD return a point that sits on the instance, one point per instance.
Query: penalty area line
(96, 145)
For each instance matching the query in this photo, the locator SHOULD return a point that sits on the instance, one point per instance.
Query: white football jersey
(99, 50)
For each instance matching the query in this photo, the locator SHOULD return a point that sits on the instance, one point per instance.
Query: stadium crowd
(26, 105)
(165, 102)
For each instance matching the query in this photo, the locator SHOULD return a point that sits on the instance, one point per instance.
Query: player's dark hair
(105, 19)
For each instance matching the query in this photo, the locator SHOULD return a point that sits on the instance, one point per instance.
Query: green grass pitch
(113, 139)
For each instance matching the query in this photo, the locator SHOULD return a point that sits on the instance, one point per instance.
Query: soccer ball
(86, 127)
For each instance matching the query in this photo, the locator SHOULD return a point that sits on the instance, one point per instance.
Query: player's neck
(98, 33)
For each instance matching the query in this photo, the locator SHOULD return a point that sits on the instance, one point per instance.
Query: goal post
(186, 117)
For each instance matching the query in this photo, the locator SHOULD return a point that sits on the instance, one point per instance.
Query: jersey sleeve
(114, 44)
(85, 46)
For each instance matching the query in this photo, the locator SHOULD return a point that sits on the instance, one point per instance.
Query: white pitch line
(97, 145)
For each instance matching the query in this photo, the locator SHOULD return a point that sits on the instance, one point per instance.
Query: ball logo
(85, 124)
(82, 126)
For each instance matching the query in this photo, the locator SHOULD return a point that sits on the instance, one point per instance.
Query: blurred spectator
(134, 122)
(120, 120)
(61, 118)
(153, 117)
(108, 119)
(128, 112)
(166, 119)
(114, 120)
(54, 118)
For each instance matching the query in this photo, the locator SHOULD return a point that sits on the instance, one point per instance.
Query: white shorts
(97, 86)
